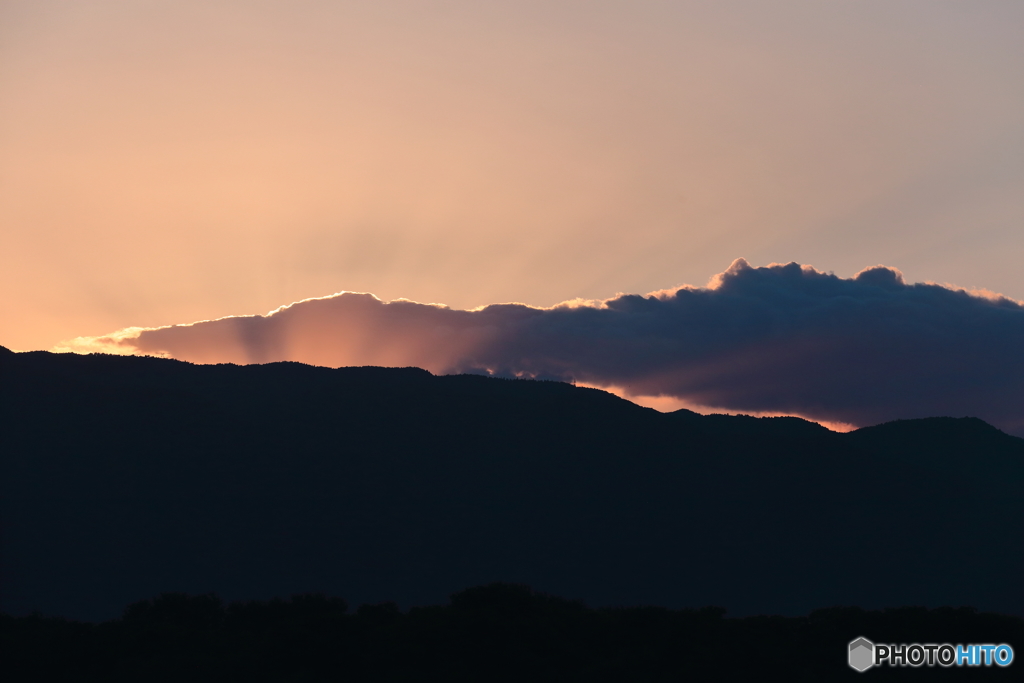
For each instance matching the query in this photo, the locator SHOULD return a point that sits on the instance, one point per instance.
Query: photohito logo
(863, 654)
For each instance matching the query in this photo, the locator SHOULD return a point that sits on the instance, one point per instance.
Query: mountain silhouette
(124, 477)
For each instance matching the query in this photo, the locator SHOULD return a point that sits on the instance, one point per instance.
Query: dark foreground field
(499, 632)
(125, 478)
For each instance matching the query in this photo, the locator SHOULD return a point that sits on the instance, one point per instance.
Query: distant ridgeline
(124, 477)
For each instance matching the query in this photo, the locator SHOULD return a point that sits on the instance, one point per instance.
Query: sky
(163, 163)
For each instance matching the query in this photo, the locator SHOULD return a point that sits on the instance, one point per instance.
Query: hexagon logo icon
(862, 654)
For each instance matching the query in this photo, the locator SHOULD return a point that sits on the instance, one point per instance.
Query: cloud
(776, 339)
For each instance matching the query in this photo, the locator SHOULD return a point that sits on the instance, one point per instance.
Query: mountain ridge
(148, 474)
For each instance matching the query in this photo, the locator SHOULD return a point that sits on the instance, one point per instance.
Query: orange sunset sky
(168, 162)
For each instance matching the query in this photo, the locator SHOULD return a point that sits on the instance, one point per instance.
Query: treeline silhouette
(125, 477)
(498, 632)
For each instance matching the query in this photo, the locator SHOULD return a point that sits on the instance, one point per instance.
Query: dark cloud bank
(782, 338)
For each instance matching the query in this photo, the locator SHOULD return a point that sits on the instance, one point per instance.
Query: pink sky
(167, 162)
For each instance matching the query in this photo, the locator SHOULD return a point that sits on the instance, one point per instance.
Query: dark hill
(123, 477)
